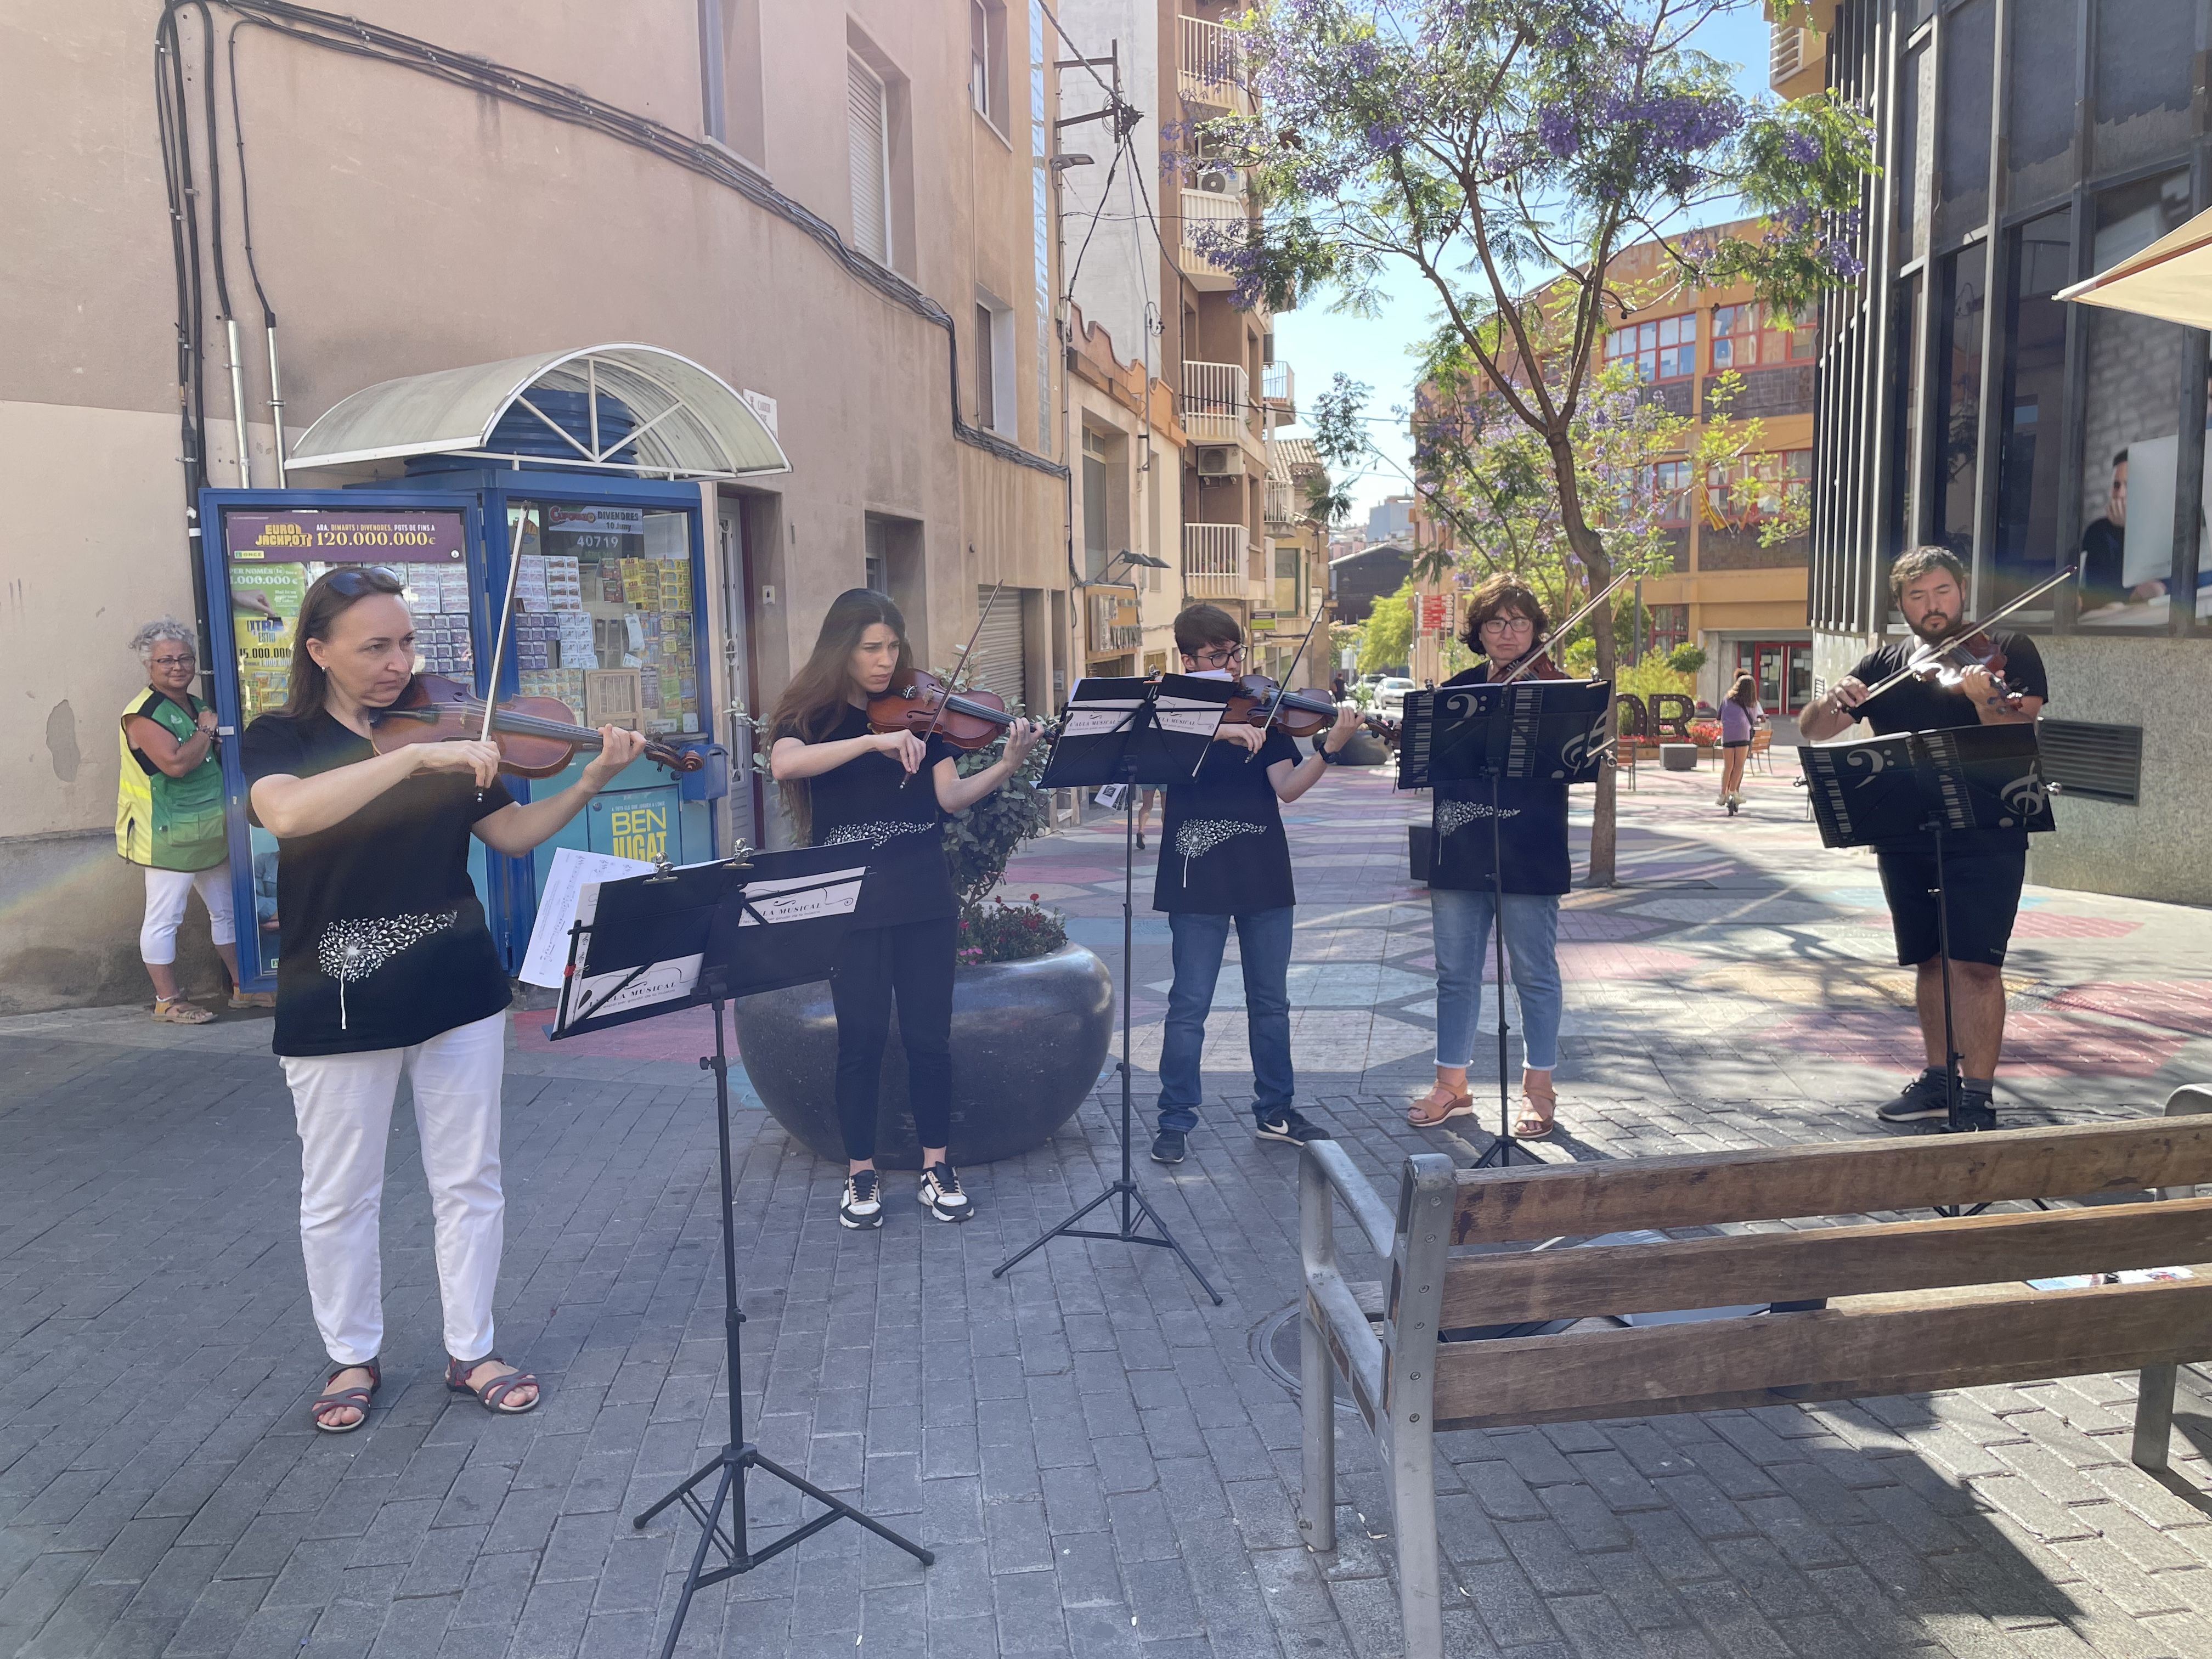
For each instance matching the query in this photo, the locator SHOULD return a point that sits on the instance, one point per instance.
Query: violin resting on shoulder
(538, 737)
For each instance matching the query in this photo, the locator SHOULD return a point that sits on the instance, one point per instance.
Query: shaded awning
(2171, 279)
(630, 407)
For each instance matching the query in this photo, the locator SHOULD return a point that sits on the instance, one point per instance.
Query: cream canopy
(690, 423)
(2171, 279)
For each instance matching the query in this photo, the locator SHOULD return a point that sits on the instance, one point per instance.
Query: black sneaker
(1168, 1147)
(1977, 1113)
(1283, 1124)
(941, 1196)
(864, 1201)
(1925, 1097)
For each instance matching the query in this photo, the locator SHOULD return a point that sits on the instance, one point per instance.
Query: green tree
(1386, 638)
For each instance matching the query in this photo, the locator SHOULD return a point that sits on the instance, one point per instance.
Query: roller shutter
(1001, 649)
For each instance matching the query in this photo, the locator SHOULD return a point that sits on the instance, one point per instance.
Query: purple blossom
(1802, 148)
(1556, 130)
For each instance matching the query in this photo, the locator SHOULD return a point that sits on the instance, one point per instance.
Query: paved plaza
(1104, 1463)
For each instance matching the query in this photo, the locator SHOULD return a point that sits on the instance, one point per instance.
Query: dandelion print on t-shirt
(351, 951)
(1199, 837)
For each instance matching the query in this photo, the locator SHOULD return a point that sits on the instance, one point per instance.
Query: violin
(1946, 661)
(1298, 714)
(537, 736)
(1536, 665)
(920, 702)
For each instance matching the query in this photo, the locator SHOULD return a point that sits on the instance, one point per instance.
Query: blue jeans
(1263, 938)
(1532, 934)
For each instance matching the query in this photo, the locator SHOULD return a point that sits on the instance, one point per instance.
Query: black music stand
(1132, 732)
(1911, 784)
(679, 939)
(1535, 730)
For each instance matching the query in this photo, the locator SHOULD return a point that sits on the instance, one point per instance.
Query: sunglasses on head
(356, 579)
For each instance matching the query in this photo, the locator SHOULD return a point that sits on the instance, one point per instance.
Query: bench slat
(1828, 1262)
(1851, 1178)
(1827, 1355)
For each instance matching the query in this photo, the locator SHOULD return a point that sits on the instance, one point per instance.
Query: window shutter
(1000, 648)
(867, 120)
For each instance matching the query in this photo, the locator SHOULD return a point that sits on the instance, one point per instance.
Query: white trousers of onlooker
(166, 893)
(343, 1105)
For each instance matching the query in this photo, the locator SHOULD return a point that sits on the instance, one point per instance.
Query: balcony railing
(1282, 502)
(1215, 399)
(1211, 69)
(1214, 561)
(1278, 386)
(1207, 214)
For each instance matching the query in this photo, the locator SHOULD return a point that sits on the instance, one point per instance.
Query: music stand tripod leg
(739, 1454)
(1132, 1201)
(1500, 1152)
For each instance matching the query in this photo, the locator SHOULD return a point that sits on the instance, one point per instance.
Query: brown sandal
(492, 1396)
(176, 1010)
(1428, 1112)
(1538, 1109)
(354, 1399)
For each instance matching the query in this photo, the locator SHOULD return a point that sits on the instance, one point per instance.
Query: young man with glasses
(1225, 862)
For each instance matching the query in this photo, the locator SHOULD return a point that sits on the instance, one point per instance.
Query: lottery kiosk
(587, 467)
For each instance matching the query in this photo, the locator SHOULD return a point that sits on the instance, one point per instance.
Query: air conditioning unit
(1218, 178)
(1221, 461)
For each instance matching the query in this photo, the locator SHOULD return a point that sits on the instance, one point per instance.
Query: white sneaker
(863, 1205)
(940, 1193)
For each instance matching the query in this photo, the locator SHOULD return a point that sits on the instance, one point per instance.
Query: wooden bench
(1891, 1308)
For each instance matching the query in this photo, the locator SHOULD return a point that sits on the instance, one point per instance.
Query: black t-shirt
(1531, 824)
(381, 937)
(1924, 706)
(2104, 556)
(1223, 851)
(860, 802)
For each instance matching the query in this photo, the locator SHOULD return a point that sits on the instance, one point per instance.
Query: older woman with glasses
(1505, 622)
(168, 817)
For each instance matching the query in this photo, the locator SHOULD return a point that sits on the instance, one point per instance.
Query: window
(867, 120)
(995, 366)
(730, 77)
(2031, 405)
(1748, 335)
(1669, 625)
(986, 61)
(2145, 68)
(1670, 489)
(1962, 285)
(986, 388)
(1962, 169)
(1666, 349)
(1756, 486)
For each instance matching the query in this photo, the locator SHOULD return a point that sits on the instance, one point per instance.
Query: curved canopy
(679, 420)
(2171, 278)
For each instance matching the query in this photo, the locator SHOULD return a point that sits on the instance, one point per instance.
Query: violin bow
(958, 668)
(1928, 654)
(1565, 628)
(1283, 685)
(506, 625)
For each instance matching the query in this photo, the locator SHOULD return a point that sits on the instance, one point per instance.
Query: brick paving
(1104, 1463)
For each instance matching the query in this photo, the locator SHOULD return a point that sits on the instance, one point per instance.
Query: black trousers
(914, 963)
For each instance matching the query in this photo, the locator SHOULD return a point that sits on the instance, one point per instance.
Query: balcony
(1214, 561)
(1210, 69)
(1282, 505)
(1215, 399)
(1209, 211)
(1278, 388)
(1796, 61)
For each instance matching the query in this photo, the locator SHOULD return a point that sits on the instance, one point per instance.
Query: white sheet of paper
(558, 903)
(664, 981)
(801, 897)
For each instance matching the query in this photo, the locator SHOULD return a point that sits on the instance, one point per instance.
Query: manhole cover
(1275, 1347)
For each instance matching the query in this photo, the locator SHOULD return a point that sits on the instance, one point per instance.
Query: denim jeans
(1263, 938)
(1462, 934)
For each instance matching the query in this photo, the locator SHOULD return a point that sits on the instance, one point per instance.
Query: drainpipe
(238, 402)
(277, 402)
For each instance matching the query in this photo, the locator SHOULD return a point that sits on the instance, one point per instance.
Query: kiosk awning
(631, 408)
(2171, 279)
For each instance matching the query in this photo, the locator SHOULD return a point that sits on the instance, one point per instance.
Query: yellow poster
(264, 605)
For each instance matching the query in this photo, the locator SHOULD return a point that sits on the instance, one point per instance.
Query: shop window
(2145, 59)
(1962, 198)
(2031, 405)
(605, 616)
(1665, 349)
(2039, 108)
(2131, 424)
(1961, 294)
(1754, 334)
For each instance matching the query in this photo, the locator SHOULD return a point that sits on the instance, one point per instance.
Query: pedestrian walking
(168, 817)
(1740, 715)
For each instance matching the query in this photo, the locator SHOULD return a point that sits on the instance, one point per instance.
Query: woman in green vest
(168, 817)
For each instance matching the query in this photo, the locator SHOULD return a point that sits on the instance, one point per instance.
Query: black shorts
(1982, 885)
(1740, 743)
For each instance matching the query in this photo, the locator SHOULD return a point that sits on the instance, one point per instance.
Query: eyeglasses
(185, 661)
(1220, 656)
(356, 579)
(1508, 625)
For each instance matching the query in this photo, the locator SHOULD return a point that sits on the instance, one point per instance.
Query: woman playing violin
(386, 968)
(1505, 622)
(890, 792)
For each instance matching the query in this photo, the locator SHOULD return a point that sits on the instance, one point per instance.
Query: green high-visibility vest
(171, 823)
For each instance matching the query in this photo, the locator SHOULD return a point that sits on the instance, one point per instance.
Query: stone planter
(1678, 757)
(1029, 1039)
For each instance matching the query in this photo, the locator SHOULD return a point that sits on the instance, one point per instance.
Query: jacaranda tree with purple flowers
(1506, 150)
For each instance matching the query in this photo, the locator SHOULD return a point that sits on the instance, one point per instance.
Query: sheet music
(560, 900)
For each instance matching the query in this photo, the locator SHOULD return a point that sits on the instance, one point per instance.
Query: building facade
(846, 213)
(2025, 146)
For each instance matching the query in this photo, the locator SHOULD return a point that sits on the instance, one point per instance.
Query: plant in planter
(1705, 734)
(1032, 1014)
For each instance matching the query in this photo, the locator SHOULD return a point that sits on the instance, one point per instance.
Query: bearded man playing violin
(385, 967)
(1989, 677)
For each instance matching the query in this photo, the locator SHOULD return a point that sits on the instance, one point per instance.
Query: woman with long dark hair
(1505, 622)
(889, 791)
(1740, 715)
(386, 968)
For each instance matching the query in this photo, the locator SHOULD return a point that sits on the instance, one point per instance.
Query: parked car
(1390, 694)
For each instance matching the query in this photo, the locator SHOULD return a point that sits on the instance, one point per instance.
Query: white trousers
(166, 893)
(343, 1105)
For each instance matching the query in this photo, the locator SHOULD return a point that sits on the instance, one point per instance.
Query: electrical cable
(174, 131)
